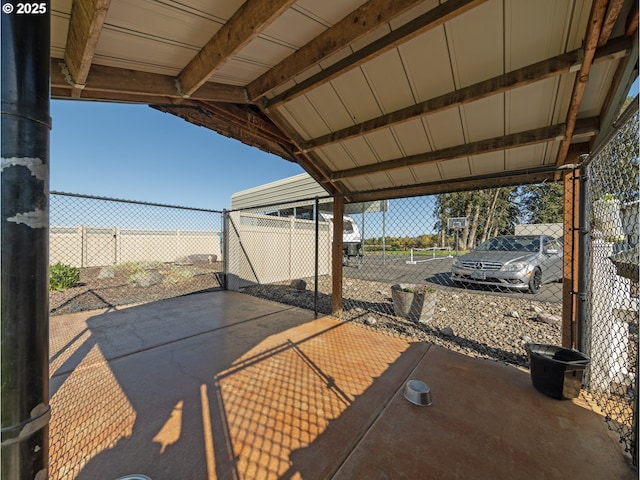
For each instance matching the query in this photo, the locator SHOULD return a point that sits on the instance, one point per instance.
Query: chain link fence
(106, 252)
(611, 333)
(480, 272)
(487, 280)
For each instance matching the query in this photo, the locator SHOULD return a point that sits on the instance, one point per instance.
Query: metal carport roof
(372, 98)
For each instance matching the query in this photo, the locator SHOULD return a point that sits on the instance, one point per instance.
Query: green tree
(542, 203)
(489, 212)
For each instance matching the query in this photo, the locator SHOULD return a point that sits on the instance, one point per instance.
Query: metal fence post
(24, 226)
(583, 262)
(225, 249)
(317, 246)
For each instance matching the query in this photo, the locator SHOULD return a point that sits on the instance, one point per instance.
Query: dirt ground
(105, 287)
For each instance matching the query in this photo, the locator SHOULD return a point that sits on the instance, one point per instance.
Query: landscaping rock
(147, 279)
(299, 284)
(446, 331)
(106, 272)
(549, 318)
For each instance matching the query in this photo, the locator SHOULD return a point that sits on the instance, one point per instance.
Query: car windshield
(510, 244)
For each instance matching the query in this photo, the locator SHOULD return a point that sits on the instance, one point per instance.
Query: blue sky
(137, 153)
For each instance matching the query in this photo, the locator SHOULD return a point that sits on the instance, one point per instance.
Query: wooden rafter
(246, 24)
(354, 26)
(521, 177)
(631, 26)
(119, 84)
(502, 83)
(248, 118)
(193, 112)
(312, 164)
(425, 22)
(613, 11)
(594, 28)
(587, 127)
(85, 26)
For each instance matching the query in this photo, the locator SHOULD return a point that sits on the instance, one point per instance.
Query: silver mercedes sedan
(522, 262)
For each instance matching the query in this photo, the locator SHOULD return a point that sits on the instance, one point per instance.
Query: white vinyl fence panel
(85, 246)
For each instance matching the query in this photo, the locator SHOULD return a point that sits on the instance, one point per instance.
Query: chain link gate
(611, 329)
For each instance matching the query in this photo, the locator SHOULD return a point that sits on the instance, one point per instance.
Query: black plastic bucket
(556, 371)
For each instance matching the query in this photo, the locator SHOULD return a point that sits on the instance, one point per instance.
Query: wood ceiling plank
(425, 22)
(85, 26)
(246, 24)
(110, 83)
(587, 127)
(354, 26)
(518, 78)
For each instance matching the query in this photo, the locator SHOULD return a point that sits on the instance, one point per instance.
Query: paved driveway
(395, 269)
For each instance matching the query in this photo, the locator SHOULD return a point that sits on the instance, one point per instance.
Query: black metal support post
(583, 263)
(24, 225)
(225, 249)
(315, 292)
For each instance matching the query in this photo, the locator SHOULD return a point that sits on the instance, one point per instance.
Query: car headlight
(514, 267)
(457, 263)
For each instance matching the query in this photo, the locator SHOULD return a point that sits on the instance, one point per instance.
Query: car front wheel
(535, 281)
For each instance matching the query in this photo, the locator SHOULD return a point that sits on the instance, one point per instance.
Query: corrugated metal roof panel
(445, 129)
(525, 110)
(384, 144)
(412, 137)
(422, 57)
(535, 30)
(487, 163)
(306, 117)
(356, 95)
(525, 157)
(331, 11)
(476, 44)
(426, 173)
(388, 80)
(294, 27)
(455, 168)
(596, 91)
(483, 119)
(486, 41)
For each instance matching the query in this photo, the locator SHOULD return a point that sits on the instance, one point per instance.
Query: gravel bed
(474, 323)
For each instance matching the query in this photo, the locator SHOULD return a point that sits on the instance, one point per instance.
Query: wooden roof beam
(85, 26)
(592, 36)
(613, 11)
(244, 25)
(248, 118)
(195, 114)
(354, 26)
(119, 84)
(631, 26)
(502, 83)
(586, 127)
(520, 177)
(425, 22)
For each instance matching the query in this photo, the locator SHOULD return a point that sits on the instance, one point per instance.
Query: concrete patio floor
(224, 385)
